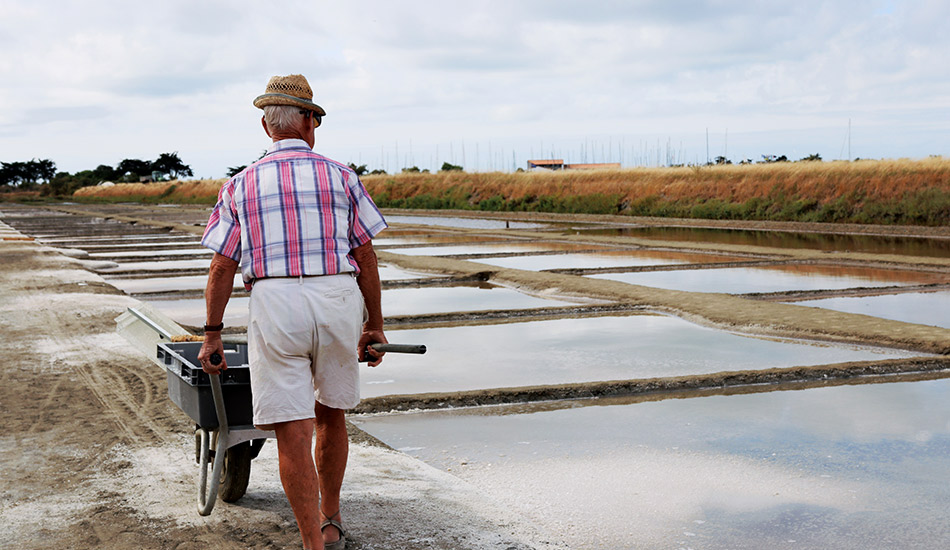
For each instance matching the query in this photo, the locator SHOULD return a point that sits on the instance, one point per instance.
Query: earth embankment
(901, 192)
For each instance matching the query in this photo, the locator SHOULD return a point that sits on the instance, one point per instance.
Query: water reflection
(172, 265)
(133, 254)
(191, 311)
(925, 308)
(166, 284)
(586, 350)
(489, 248)
(842, 467)
(615, 258)
(393, 273)
(773, 278)
(912, 246)
(143, 240)
(468, 223)
(400, 237)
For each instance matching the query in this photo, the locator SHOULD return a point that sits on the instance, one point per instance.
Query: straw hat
(288, 90)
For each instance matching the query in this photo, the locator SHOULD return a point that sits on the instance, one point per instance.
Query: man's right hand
(365, 352)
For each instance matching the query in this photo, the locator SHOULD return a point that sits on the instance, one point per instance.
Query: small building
(549, 164)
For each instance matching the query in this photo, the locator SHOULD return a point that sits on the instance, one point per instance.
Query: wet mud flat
(922, 348)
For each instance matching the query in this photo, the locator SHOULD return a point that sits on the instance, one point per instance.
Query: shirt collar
(286, 144)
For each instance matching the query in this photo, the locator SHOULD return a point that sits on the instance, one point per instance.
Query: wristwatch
(214, 328)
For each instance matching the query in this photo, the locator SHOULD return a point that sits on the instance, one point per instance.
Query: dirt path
(95, 456)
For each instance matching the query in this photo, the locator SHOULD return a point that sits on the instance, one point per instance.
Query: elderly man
(301, 227)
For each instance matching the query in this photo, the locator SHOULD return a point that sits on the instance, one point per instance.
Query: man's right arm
(217, 293)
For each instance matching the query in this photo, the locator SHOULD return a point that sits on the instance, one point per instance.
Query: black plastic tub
(189, 386)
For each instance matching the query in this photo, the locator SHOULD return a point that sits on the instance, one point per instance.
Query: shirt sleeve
(366, 221)
(223, 232)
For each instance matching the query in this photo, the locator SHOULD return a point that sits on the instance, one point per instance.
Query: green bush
(496, 203)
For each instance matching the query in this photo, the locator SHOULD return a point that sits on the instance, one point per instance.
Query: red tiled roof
(592, 166)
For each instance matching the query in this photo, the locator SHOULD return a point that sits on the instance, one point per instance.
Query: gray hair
(282, 117)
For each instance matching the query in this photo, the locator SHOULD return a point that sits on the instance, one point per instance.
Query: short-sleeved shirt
(292, 213)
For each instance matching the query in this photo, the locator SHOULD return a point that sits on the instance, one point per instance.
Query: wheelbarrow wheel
(236, 472)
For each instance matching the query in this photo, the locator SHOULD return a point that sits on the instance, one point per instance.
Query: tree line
(363, 170)
(32, 174)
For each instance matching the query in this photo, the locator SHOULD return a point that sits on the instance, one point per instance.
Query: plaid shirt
(292, 213)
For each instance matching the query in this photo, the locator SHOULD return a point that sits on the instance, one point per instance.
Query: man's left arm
(370, 287)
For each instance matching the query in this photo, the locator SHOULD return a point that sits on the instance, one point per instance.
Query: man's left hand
(212, 344)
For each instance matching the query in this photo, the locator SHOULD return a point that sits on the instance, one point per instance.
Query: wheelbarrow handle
(208, 489)
(399, 348)
(418, 349)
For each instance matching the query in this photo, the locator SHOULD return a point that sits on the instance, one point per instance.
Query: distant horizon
(474, 157)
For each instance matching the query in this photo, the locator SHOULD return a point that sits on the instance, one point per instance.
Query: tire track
(118, 418)
(47, 403)
(128, 396)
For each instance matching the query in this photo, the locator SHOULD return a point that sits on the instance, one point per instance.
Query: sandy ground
(95, 455)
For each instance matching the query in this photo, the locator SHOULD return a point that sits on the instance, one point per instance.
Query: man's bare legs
(330, 451)
(299, 478)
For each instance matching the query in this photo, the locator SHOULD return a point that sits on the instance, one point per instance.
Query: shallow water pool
(132, 255)
(486, 248)
(166, 284)
(468, 223)
(849, 467)
(171, 265)
(399, 301)
(742, 280)
(876, 244)
(586, 350)
(613, 258)
(403, 237)
(925, 308)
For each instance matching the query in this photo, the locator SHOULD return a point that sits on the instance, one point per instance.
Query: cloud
(434, 71)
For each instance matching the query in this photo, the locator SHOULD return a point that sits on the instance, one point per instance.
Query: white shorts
(302, 336)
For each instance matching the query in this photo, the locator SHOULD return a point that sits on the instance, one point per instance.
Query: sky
(482, 84)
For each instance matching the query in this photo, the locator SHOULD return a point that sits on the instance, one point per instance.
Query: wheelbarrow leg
(208, 495)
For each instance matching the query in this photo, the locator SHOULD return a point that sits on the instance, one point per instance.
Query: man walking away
(300, 227)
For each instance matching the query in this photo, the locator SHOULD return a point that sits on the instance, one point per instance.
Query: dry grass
(887, 191)
(192, 191)
(898, 191)
(822, 181)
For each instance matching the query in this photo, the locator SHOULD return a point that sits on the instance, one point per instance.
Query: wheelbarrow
(220, 405)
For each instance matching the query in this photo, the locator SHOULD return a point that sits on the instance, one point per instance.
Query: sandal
(337, 544)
